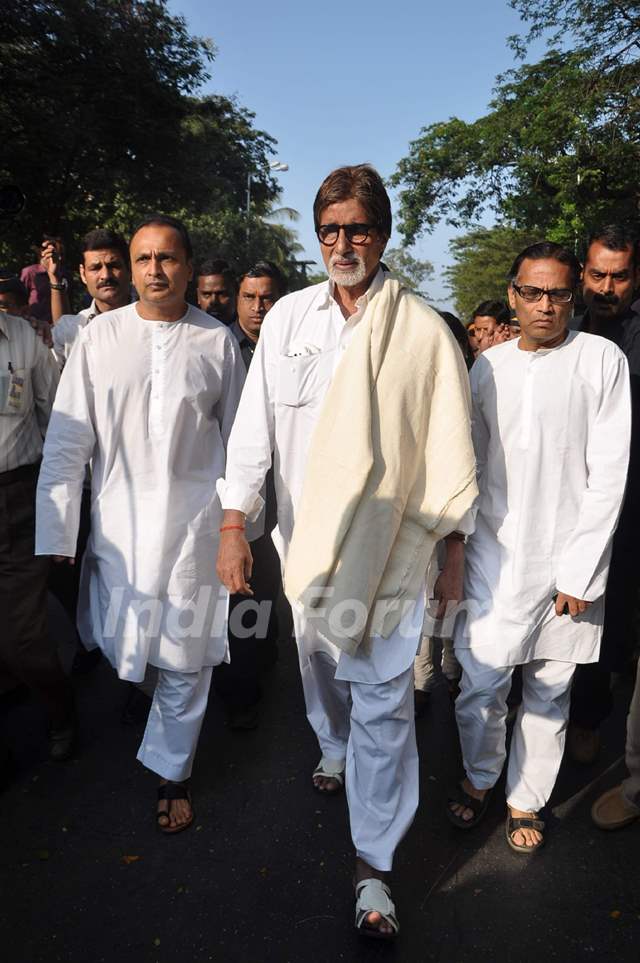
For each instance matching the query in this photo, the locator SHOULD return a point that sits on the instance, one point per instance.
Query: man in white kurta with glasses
(148, 396)
(551, 429)
(361, 394)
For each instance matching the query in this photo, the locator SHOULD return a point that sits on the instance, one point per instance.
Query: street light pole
(276, 166)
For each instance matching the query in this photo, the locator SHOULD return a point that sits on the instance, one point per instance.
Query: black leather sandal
(461, 797)
(174, 790)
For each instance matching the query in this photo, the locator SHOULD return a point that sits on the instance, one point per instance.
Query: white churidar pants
(539, 730)
(171, 737)
(372, 727)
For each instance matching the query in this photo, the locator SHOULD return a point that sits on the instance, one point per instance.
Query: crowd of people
(371, 474)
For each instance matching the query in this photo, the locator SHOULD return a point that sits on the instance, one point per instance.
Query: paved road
(265, 873)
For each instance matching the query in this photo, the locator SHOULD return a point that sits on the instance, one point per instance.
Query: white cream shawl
(391, 471)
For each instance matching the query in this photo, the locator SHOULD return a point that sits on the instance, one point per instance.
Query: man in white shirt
(28, 382)
(148, 395)
(359, 698)
(551, 426)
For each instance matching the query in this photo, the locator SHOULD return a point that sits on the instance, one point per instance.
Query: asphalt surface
(264, 874)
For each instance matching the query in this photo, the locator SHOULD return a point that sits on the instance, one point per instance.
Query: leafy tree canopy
(102, 123)
(408, 269)
(481, 262)
(558, 150)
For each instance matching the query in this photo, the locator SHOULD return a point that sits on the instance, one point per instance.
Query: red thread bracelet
(232, 528)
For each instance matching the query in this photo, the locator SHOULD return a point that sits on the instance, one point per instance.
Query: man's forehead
(544, 271)
(108, 254)
(157, 237)
(212, 282)
(343, 212)
(257, 285)
(605, 259)
(484, 321)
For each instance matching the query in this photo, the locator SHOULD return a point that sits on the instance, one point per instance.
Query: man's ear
(512, 297)
(190, 266)
(83, 276)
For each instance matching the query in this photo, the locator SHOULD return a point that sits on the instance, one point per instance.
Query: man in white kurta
(359, 702)
(148, 395)
(551, 424)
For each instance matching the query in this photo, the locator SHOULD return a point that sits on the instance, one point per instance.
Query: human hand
(575, 606)
(50, 260)
(501, 334)
(448, 587)
(60, 559)
(235, 562)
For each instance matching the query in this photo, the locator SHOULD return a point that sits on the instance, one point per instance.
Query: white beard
(348, 279)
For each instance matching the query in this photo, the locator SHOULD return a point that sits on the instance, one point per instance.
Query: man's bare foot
(525, 837)
(463, 811)
(174, 813)
(373, 920)
(327, 784)
(328, 776)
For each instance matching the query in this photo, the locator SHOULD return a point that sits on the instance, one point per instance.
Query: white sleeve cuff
(235, 498)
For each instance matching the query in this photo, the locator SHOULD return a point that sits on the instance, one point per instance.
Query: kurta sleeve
(68, 448)
(233, 377)
(252, 437)
(45, 378)
(479, 428)
(584, 563)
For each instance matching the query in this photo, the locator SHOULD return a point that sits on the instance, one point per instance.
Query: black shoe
(136, 708)
(85, 660)
(62, 742)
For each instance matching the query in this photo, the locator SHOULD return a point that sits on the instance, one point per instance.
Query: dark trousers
(238, 683)
(26, 651)
(64, 579)
(591, 699)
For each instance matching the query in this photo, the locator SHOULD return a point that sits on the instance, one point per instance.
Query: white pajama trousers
(371, 726)
(171, 737)
(539, 730)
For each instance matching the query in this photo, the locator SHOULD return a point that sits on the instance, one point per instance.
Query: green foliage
(558, 151)
(408, 269)
(101, 124)
(481, 262)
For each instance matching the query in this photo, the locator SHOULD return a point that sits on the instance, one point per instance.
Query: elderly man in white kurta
(148, 396)
(551, 427)
(359, 390)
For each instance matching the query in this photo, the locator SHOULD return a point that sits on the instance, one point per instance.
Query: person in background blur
(48, 282)
(609, 284)
(28, 381)
(473, 341)
(105, 272)
(490, 319)
(216, 290)
(237, 683)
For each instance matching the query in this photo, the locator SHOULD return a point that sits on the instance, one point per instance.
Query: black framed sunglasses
(530, 293)
(328, 234)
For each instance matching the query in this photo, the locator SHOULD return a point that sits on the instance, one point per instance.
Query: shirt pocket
(15, 391)
(301, 380)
